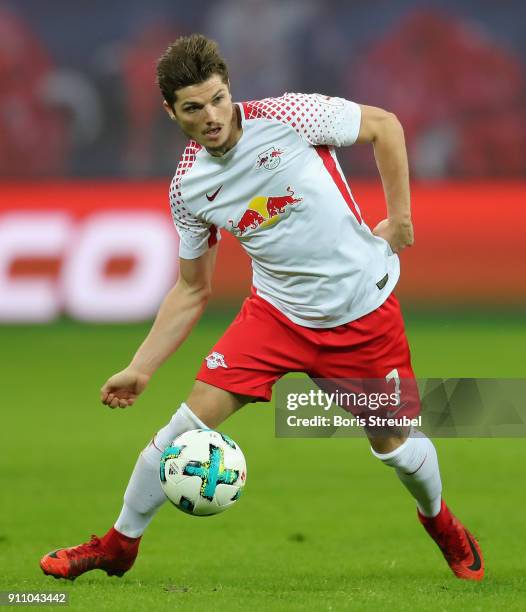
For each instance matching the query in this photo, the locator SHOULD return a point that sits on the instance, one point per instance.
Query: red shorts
(261, 345)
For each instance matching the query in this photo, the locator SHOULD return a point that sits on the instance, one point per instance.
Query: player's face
(206, 114)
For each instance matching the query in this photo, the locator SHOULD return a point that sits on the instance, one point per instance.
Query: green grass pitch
(321, 525)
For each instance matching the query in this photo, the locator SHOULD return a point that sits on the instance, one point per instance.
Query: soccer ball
(203, 472)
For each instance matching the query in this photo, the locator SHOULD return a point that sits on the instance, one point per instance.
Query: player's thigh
(371, 356)
(213, 405)
(369, 347)
(257, 348)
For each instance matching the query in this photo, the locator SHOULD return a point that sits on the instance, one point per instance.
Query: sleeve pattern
(318, 119)
(195, 235)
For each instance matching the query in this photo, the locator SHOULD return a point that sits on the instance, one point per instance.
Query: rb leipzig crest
(269, 159)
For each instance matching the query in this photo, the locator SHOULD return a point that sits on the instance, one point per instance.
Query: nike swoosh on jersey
(212, 197)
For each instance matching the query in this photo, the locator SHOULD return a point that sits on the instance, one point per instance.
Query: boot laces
(455, 542)
(82, 549)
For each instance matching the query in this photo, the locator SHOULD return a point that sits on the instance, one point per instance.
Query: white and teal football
(203, 472)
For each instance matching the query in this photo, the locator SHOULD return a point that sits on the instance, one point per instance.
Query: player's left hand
(397, 232)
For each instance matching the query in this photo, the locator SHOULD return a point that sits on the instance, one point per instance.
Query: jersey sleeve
(195, 236)
(318, 119)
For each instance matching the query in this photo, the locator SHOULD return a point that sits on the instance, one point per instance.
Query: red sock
(115, 541)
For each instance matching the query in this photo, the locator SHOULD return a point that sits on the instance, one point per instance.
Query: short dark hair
(188, 61)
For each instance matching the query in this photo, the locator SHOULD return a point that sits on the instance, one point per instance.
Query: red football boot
(459, 547)
(114, 553)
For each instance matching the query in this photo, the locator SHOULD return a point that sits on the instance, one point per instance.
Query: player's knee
(205, 408)
(184, 419)
(213, 405)
(387, 441)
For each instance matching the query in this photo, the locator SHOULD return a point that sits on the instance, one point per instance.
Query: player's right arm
(178, 313)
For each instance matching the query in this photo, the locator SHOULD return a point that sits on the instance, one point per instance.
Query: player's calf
(416, 465)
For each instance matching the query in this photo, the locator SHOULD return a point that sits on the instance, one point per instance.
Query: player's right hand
(123, 388)
(398, 233)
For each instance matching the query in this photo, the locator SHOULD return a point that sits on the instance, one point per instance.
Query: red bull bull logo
(265, 211)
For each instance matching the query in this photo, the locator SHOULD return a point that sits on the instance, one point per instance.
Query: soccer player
(322, 299)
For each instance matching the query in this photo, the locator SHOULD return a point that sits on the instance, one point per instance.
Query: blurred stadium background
(86, 239)
(87, 152)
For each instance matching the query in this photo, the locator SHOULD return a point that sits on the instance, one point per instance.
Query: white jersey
(280, 190)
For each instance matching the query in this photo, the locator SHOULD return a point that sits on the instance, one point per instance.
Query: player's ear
(169, 110)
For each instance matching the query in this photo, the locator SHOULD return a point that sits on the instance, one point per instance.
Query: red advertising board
(108, 251)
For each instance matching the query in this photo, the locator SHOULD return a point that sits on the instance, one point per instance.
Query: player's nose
(210, 114)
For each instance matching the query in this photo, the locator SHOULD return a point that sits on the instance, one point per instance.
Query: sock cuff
(388, 457)
(187, 411)
(114, 533)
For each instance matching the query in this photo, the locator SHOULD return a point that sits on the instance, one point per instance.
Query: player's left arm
(383, 130)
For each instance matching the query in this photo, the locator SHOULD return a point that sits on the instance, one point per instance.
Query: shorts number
(393, 375)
